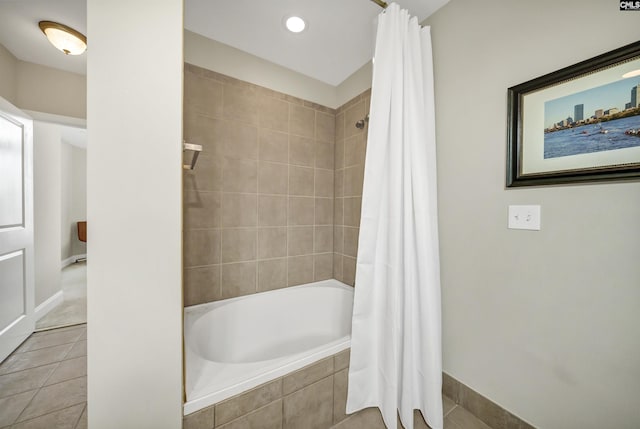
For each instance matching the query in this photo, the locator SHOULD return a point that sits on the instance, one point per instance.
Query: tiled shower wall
(349, 174)
(258, 207)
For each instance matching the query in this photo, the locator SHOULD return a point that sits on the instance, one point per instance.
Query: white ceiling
(336, 43)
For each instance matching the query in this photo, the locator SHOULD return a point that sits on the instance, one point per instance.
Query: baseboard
(484, 409)
(72, 259)
(48, 305)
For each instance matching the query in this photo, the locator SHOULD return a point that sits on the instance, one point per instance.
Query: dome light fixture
(632, 73)
(64, 38)
(295, 24)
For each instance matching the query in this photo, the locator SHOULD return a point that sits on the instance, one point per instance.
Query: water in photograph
(591, 138)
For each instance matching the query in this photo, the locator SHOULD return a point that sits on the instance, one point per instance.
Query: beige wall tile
(338, 239)
(310, 407)
(354, 150)
(202, 285)
(205, 131)
(325, 127)
(274, 146)
(273, 113)
(339, 155)
(238, 244)
(267, 417)
(301, 210)
(240, 140)
(338, 183)
(202, 419)
(272, 242)
(300, 270)
(323, 239)
(322, 266)
(201, 209)
(201, 247)
(341, 360)
(301, 121)
(348, 270)
(324, 211)
(324, 183)
(307, 375)
(324, 155)
(238, 279)
(246, 402)
(207, 176)
(340, 126)
(272, 210)
(340, 382)
(352, 211)
(338, 213)
(272, 274)
(203, 95)
(353, 179)
(272, 178)
(239, 210)
(351, 241)
(301, 181)
(239, 175)
(301, 151)
(240, 104)
(300, 240)
(352, 115)
(337, 267)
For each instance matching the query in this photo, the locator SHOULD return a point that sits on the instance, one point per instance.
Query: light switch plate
(524, 217)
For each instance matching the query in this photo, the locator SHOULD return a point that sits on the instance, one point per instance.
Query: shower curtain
(396, 361)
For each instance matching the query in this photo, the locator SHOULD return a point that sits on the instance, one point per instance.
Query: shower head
(361, 122)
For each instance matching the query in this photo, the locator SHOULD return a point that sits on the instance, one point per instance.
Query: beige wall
(134, 180)
(349, 174)
(8, 75)
(543, 323)
(74, 198)
(47, 212)
(258, 207)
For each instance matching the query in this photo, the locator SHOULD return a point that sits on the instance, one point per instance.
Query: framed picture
(578, 124)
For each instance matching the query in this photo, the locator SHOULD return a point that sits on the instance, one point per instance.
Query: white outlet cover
(524, 217)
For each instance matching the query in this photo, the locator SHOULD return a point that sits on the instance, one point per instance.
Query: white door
(17, 320)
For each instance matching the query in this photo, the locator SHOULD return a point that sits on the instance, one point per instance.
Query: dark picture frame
(574, 125)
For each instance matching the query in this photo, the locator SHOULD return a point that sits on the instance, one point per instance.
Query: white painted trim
(72, 259)
(49, 305)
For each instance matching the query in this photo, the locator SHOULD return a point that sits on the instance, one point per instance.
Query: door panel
(17, 320)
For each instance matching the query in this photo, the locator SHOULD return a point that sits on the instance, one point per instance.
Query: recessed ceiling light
(633, 73)
(68, 40)
(295, 24)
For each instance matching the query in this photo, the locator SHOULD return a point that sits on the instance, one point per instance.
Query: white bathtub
(237, 344)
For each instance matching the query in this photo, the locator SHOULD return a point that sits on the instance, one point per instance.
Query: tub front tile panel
(340, 380)
(203, 419)
(267, 417)
(245, 403)
(307, 375)
(310, 407)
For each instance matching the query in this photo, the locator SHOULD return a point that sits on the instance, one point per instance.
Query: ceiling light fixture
(68, 40)
(295, 24)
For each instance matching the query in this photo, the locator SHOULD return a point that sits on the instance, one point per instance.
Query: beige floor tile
(73, 309)
(56, 397)
(68, 369)
(22, 381)
(67, 418)
(26, 360)
(447, 405)
(79, 349)
(54, 339)
(465, 420)
(82, 423)
(12, 406)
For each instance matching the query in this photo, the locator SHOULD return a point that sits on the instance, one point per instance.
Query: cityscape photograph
(599, 119)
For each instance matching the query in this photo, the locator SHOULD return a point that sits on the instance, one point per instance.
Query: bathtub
(239, 343)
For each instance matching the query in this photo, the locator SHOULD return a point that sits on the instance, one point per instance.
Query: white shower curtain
(396, 361)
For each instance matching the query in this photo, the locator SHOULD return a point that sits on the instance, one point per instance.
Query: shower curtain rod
(381, 3)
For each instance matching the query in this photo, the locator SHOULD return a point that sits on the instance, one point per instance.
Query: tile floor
(73, 310)
(43, 384)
